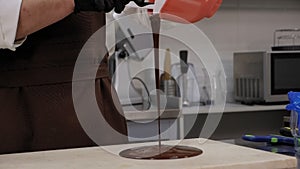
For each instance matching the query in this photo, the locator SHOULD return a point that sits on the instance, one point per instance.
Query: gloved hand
(100, 5)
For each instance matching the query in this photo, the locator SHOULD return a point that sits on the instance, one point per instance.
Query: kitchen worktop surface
(134, 114)
(232, 107)
(217, 155)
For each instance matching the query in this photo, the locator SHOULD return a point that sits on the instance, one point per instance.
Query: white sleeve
(9, 17)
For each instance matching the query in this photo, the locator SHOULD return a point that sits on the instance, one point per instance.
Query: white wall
(247, 25)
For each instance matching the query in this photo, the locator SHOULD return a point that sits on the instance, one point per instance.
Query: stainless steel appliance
(132, 72)
(266, 77)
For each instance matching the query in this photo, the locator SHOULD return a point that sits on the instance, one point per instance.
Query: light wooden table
(217, 155)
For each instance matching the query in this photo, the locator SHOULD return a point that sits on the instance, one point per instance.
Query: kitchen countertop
(217, 155)
(132, 114)
(233, 107)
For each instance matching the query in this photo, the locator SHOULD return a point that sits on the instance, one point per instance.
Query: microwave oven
(265, 77)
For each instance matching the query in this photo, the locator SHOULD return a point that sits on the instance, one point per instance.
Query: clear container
(295, 124)
(187, 83)
(284, 37)
(286, 40)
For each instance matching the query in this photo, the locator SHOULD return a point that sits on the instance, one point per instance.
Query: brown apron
(37, 111)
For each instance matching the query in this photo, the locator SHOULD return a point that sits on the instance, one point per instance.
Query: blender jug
(189, 91)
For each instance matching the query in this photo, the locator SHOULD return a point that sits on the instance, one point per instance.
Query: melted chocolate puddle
(159, 152)
(162, 152)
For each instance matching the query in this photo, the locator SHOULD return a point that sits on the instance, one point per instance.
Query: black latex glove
(100, 5)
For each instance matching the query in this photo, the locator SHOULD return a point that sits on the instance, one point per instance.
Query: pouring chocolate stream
(155, 24)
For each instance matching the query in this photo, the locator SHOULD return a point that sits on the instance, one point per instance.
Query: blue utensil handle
(273, 139)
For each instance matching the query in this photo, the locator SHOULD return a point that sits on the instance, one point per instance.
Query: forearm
(37, 14)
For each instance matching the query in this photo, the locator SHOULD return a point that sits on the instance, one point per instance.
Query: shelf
(232, 107)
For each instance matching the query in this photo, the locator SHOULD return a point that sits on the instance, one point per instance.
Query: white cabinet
(143, 130)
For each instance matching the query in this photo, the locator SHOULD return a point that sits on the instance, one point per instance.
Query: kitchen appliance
(133, 80)
(133, 44)
(266, 77)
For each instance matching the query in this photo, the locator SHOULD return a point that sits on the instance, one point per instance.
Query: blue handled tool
(272, 139)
